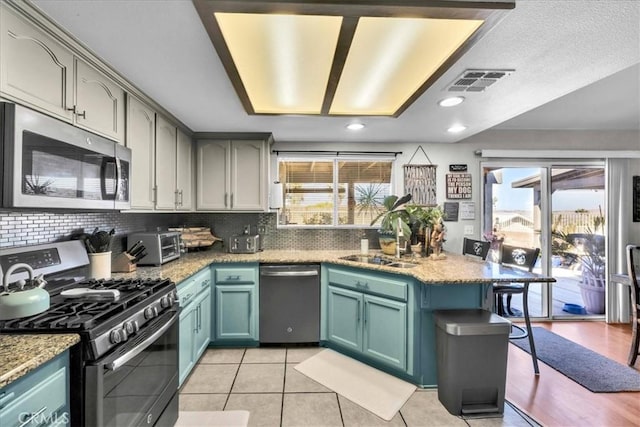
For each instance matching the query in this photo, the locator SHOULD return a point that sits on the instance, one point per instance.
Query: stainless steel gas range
(124, 372)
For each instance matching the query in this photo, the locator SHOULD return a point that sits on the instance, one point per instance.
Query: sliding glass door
(559, 209)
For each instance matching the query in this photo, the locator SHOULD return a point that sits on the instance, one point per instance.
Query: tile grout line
(234, 379)
(284, 383)
(339, 409)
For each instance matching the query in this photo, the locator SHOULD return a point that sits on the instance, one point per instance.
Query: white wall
(464, 153)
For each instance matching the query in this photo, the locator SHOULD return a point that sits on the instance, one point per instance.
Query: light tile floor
(264, 382)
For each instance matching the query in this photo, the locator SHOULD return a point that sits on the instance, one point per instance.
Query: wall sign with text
(458, 186)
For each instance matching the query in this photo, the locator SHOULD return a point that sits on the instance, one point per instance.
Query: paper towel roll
(276, 196)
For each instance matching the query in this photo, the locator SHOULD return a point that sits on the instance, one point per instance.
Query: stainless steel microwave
(47, 163)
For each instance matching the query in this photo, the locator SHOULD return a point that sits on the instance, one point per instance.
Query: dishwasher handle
(298, 273)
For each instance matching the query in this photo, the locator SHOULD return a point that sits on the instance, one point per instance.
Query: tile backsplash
(23, 228)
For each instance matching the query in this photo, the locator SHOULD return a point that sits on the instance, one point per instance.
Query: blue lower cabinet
(202, 321)
(372, 326)
(236, 303)
(344, 326)
(194, 295)
(185, 355)
(385, 331)
(236, 313)
(39, 398)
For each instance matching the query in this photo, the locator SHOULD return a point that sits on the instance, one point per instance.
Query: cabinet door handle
(181, 198)
(364, 313)
(358, 309)
(226, 197)
(83, 114)
(33, 416)
(231, 201)
(233, 277)
(155, 194)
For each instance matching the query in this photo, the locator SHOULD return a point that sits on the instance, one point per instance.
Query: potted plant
(588, 250)
(394, 217)
(423, 219)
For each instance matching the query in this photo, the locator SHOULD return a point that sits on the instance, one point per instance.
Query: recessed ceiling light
(355, 126)
(456, 128)
(451, 101)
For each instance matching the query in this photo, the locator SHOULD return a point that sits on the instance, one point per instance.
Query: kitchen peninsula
(455, 269)
(399, 302)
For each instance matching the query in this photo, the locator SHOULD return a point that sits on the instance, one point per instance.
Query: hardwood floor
(554, 400)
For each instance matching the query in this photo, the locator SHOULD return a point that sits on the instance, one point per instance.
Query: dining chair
(523, 258)
(633, 266)
(476, 248)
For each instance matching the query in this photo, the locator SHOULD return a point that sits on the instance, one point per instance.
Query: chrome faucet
(399, 235)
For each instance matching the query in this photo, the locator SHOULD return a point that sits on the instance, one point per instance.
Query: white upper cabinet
(249, 175)
(184, 172)
(174, 167)
(34, 68)
(141, 139)
(212, 182)
(39, 72)
(232, 175)
(99, 103)
(166, 196)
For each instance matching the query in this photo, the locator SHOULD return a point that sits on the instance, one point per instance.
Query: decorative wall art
(420, 181)
(458, 186)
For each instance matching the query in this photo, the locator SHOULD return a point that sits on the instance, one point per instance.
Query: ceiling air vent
(477, 80)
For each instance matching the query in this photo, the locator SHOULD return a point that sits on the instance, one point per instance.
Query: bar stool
(476, 248)
(523, 258)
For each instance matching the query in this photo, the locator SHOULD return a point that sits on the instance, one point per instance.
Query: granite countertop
(21, 354)
(455, 268)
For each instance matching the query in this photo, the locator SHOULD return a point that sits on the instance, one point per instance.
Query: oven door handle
(120, 361)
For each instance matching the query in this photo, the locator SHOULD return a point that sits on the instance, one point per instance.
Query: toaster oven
(161, 246)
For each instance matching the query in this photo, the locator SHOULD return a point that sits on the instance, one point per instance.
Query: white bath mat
(213, 419)
(374, 390)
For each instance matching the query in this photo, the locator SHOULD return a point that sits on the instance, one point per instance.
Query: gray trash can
(472, 348)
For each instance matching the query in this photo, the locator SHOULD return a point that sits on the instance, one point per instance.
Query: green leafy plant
(394, 216)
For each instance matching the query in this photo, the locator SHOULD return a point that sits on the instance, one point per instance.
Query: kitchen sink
(378, 260)
(402, 265)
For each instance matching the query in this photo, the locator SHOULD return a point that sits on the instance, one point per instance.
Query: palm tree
(370, 198)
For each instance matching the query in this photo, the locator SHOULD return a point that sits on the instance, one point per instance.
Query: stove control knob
(131, 327)
(115, 337)
(166, 301)
(150, 312)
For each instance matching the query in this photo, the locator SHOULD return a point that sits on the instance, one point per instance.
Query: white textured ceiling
(576, 67)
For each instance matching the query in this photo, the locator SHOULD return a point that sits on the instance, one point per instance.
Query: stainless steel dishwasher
(289, 303)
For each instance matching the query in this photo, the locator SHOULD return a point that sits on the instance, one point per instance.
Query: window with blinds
(333, 192)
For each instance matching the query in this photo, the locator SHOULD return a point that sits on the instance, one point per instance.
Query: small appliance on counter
(245, 243)
(160, 247)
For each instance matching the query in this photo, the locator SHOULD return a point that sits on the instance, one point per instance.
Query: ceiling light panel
(391, 58)
(284, 61)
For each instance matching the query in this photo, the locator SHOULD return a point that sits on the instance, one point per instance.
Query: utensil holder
(100, 265)
(123, 263)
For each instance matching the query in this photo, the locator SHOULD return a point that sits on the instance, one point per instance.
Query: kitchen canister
(364, 247)
(100, 265)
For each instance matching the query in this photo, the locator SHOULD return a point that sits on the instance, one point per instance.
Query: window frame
(334, 159)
